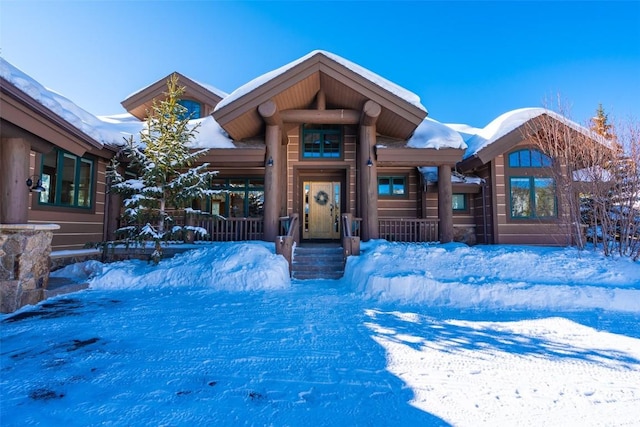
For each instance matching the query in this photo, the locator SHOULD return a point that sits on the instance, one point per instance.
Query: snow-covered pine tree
(166, 175)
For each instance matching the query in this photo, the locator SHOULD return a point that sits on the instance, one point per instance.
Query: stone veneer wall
(24, 264)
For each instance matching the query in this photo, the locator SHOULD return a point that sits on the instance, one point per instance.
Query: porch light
(369, 162)
(270, 162)
(38, 188)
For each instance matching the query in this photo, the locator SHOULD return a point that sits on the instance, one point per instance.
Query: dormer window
(194, 109)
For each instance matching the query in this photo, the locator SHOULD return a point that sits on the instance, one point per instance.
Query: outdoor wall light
(369, 162)
(38, 186)
(270, 162)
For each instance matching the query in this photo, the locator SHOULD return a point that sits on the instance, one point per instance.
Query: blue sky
(468, 61)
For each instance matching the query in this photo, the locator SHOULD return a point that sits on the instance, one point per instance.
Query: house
(320, 137)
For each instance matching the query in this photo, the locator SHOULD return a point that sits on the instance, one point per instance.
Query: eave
(297, 88)
(25, 113)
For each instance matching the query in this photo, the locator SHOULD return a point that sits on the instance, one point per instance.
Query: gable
(507, 131)
(140, 102)
(320, 81)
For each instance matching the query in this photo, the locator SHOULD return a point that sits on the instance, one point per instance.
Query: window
(532, 197)
(242, 197)
(392, 186)
(193, 109)
(68, 180)
(529, 158)
(321, 141)
(459, 202)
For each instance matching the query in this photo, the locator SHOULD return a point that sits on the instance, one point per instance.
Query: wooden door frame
(304, 173)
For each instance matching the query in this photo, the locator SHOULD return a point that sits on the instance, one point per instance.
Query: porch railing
(289, 235)
(350, 235)
(221, 229)
(408, 229)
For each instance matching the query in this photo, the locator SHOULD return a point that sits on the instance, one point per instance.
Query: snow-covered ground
(412, 335)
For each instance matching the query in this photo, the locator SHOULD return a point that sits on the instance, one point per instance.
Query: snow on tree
(166, 175)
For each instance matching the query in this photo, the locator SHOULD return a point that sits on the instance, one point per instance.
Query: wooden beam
(271, 116)
(269, 112)
(321, 100)
(370, 113)
(339, 117)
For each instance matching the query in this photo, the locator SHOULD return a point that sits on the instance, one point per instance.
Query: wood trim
(417, 156)
(235, 157)
(136, 104)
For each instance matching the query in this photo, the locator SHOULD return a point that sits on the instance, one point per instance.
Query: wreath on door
(321, 198)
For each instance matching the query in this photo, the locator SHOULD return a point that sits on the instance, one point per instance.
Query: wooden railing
(221, 229)
(285, 243)
(350, 235)
(408, 229)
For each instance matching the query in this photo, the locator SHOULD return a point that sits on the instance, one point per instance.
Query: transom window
(392, 186)
(194, 109)
(532, 197)
(67, 179)
(241, 197)
(529, 158)
(321, 141)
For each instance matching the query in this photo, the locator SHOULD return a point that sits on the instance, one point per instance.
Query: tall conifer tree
(164, 165)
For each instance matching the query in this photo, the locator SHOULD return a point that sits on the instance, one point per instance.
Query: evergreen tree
(166, 176)
(600, 123)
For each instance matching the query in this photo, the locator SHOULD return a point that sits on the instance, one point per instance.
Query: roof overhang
(24, 117)
(297, 88)
(510, 139)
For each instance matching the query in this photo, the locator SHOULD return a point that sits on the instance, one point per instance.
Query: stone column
(14, 171)
(24, 264)
(445, 209)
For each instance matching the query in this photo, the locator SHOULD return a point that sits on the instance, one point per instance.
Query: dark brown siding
(484, 216)
(77, 227)
(345, 169)
(530, 232)
(401, 207)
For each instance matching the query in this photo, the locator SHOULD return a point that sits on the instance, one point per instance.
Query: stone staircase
(317, 261)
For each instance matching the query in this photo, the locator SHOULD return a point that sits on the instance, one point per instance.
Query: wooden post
(272, 181)
(445, 209)
(14, 171)
(284, 247)
(367, 171)
(272, 184)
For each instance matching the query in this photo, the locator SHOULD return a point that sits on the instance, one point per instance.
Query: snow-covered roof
(114, 130)
(107, 130)
(433, 134)
(210, 88)
(477, 139)
(385, 84)
(81, 119)
(430, 174)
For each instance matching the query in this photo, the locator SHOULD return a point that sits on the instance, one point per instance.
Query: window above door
(321, 141)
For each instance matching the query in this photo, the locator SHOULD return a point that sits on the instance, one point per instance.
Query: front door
(321, 210)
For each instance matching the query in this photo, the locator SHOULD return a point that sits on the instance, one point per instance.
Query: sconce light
(270, 162)
(369, 162)
(38, 187)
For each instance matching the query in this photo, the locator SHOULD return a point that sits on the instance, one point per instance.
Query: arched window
(194, 109)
